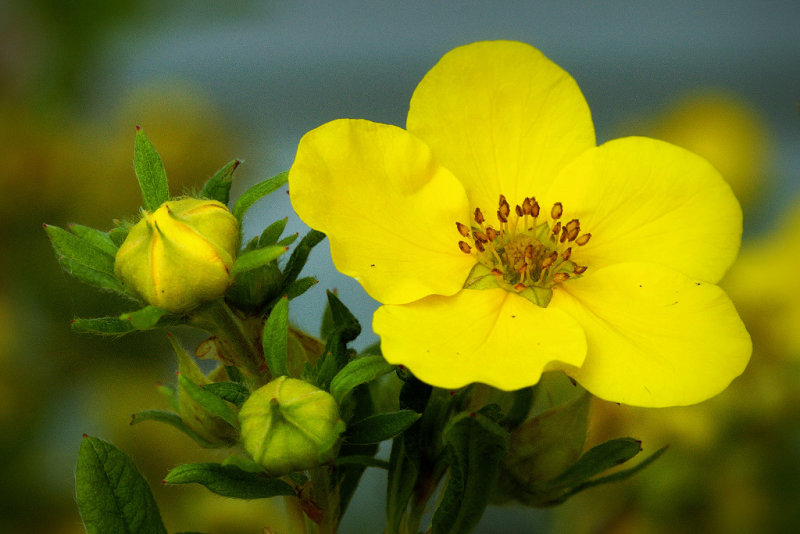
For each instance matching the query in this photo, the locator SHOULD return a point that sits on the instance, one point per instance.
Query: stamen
(522, 253)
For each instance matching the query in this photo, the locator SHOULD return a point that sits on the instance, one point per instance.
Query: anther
(491, 233)
(479, 246)
(549, 260)
(560, 277)
(519, 286)
(480, 236)
(534, 207)
(582, 240)
(479, 216)
(518, 210)
(465, 248)
(462, 229)
(566, 254)
(557, 210)
(580, 269)
(503, 210)
(526, 206)
(557, 228)
(529, 252)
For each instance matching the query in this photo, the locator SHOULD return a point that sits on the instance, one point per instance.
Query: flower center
(528, 254)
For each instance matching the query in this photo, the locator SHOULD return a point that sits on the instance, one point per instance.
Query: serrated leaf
(208, 400)
(171, 419)
(272, 233)
(380, 427)
(150, 172)
(261, 189)
(254, 259)
(274, 338)
(229, 481)
(83, 260)
(475, 447)
(112, 495)
(218, 187)
(104, 326)
(299, 256)
(101, 240)
(233, 392)
(356, 372)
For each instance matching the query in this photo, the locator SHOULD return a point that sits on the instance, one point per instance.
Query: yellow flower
(504, 243)
(180, 255)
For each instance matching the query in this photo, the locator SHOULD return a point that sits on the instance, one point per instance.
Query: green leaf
(300, 286)
(598, 459)
(614, 477)
(288, 240)
(233, 392)
(104, 326)
(95, 237)
(256, 258)
(380, 427)
(475, 446)
(208, 400)
(150, 172)
(405, 459)
(366, 461)
(118, 235)
(112, 495)
(171, 419)
(261, 189)
(144, 319)
(300, 255)
(83, 260)
(359, 371)
(272, 233)
(274, 338)
(218, 187)
(229, 481)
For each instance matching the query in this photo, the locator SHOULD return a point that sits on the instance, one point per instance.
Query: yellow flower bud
(289, 425)
(180, 254)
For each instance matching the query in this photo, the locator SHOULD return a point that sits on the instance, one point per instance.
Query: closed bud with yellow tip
(181, 254)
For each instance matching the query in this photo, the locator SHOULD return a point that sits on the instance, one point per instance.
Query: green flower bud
(181, 254)
(289, 425)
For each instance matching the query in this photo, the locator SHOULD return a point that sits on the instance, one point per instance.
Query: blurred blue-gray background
(213, 81)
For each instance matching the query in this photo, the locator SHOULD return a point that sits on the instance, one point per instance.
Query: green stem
(218, 319)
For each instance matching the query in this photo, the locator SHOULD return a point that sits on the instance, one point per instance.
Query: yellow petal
(649, 201)
(388, 208)
(502, 117)
(655, 337)
(489, 336)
